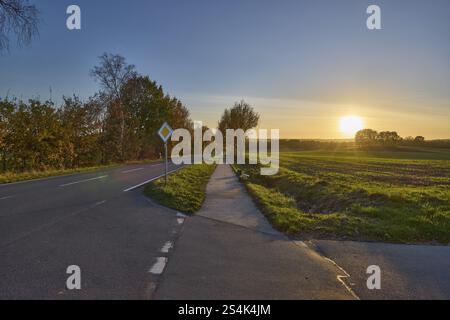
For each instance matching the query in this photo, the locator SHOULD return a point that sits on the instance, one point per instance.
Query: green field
(393, 196)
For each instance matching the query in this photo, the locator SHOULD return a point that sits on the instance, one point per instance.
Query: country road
(122, 242)
(94, 220)
(128, 247)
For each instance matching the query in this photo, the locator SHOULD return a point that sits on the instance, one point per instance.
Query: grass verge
(10, 177)
(185, 189)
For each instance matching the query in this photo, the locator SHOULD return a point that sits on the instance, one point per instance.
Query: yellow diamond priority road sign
(165, 132)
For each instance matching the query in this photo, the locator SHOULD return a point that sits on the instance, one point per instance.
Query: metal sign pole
(165, 149)
(164, 133)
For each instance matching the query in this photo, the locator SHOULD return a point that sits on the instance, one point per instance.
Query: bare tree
(19, 18)
(112, 74)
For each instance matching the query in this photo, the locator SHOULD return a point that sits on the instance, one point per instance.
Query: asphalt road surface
(407, 271)
(88, 220)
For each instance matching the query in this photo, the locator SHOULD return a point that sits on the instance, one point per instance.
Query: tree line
(370, 137)
(117, 124)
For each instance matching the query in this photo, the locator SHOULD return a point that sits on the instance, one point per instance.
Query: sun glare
(349, 125)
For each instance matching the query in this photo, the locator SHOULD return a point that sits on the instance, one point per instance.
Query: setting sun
(349, 125)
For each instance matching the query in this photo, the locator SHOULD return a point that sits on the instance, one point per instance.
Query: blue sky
(302, 64)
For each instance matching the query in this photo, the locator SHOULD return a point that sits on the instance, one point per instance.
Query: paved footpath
(229, 251)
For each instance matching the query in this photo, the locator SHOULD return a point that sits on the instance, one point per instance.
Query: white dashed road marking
(167, 246)
(132, 170)
(7, 197)
(180, 220)
(81, 181)
(98, 203)
(159, 266)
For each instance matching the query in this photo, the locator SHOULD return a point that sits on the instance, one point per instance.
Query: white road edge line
(166, 247)
(159, 266)
(150, 180)
(7, 197)
(132, 170)
(341, 278)
(81, 181)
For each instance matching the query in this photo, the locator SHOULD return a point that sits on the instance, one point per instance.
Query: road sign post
(165, 149)
(165, 133)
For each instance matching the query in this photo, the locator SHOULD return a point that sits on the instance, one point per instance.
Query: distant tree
(240, 116)
(19, 18)
(388, 137)
(419, 139)
(408, 141)
(366, 137)
(112, 74)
